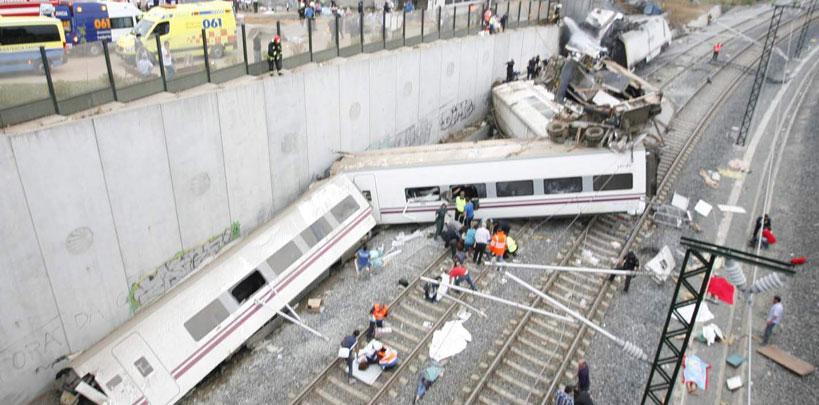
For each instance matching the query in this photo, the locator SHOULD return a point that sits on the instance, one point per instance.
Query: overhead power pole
(694, 277)
(761, 73)
(804, 33)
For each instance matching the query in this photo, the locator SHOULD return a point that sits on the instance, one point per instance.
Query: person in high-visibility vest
(387, 358)
(717, 48)
(498, 246)
(377, 315)
(511, 247)
(460, 205)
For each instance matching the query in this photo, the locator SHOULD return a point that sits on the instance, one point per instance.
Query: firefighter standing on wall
(274, 55)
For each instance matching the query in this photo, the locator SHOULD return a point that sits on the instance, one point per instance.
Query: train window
(143, 366)
(316, 231)
(420, 194)
(206, 319)
(607, 182)
(515, 188)
(563, 185)
(284, 257)
(347, 207)
(470, 190)
(247, 287)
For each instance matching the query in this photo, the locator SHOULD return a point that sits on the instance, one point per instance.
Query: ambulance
(181, 25)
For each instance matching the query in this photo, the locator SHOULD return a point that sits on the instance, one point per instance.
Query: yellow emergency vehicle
(181, 25)
(21, 39)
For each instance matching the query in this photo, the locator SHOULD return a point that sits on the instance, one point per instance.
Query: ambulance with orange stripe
(181, 25)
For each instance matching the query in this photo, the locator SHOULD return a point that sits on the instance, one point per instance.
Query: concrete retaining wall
(101, 215)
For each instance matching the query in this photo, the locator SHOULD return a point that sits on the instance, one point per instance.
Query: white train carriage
(643, 44)
(511, 179)
(167, 348)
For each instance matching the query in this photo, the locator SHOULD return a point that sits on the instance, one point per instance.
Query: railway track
(702, 49)
(409, 313)
(536, 354)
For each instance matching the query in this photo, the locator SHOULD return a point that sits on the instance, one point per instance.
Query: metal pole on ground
(454, 18)
(279, 28)
(47, 71)
(404, 28)
(439, 22)
(529, 13)
(570, 269)
(361, 29)
(501, 300)
(468, 19)
(205, 53)
(422, 24)
(539, 4)
(628, 347)
(384, 29)
(548, 9)
(520, 6)
(161, 63)
(244, 49)
(310, 37)
(338, 44)
(110, 71)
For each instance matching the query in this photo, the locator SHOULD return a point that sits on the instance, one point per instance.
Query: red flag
(722, 289)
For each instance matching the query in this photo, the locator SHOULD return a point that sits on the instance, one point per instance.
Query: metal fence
(96, 73)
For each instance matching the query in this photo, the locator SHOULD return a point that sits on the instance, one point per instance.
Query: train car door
(145, 369)
(366, 184)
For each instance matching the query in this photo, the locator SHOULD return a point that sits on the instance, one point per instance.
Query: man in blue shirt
(565, 397)
(469, 212)
(363, 260)
(349, 343)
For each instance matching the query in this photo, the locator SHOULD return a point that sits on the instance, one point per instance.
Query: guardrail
(90, 74)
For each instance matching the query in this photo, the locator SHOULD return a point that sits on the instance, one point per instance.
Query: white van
(124, 16)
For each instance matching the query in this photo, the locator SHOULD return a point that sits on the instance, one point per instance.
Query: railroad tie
(346, 387)
(516, 382)
(418, 313)
(505, 394)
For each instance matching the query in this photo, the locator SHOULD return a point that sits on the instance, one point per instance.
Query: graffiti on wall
(458, 112)
(419, 133)
(154, 284)
(39, 353)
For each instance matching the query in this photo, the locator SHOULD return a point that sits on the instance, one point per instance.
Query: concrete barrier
(103, 214)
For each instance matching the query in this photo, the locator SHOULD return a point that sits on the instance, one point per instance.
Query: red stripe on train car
(179, 371)
(622, 197)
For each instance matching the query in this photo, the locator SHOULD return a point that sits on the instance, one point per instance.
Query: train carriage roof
(462, 152)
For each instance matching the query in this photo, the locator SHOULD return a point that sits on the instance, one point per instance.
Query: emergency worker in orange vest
(498, 245)
(387, 358)
(377, 315)
(717, 48)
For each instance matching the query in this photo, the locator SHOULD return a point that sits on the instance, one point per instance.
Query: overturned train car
(169, 346)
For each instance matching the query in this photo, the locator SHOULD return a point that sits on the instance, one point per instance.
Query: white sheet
(450, 340)
(703, 208)
(368, 376)
(704, 315)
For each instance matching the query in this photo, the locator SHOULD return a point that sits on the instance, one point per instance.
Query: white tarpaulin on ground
(450, 340)
(704, 315)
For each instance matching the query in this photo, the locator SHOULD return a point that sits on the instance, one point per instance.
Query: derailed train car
(168, 347)
(510, 179)
(645, 40)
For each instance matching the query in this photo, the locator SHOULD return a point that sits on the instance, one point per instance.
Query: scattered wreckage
(594, 103)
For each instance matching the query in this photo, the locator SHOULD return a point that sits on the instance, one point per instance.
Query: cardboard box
(314, 304)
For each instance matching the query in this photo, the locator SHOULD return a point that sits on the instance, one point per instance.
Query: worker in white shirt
(774, 318)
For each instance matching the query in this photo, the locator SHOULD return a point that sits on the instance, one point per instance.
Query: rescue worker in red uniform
(717, 48)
